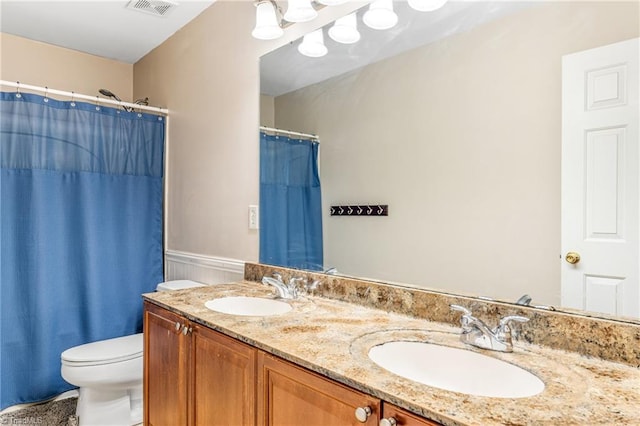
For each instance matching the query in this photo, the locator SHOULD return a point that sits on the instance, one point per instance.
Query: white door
(600, 179)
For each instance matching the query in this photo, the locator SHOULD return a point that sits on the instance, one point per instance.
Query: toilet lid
(177, 285)
(105, 351)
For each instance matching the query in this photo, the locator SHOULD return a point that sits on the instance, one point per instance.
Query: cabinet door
(403, 417)
(291, 396)
(165, 368)
(224, 391)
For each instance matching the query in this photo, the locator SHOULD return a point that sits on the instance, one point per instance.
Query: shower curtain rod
(73, 95)
(289, 133)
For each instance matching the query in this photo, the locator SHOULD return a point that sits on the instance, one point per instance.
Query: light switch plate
(253, 217)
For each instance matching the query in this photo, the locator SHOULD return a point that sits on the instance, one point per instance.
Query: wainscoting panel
(181, 265)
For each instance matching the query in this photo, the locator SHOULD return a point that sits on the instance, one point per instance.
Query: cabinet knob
(178, 325)
(186, 330)
(363, 413)
(391, 421)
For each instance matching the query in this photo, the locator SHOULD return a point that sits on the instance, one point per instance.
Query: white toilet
(109, 375)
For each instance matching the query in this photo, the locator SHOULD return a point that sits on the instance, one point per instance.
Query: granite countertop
(333, 339)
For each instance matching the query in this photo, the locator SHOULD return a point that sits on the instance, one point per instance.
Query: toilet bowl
(109, 375)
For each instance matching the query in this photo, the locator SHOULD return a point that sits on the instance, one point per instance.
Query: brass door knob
(572, 257)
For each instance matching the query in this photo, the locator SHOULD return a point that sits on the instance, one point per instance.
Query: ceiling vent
(153, 7)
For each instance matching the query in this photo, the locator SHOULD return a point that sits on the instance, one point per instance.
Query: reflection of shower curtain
(290, 203)
(81, 225)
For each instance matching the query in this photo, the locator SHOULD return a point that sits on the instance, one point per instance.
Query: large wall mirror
(456, 125)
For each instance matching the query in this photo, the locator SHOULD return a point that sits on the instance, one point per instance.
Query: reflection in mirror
(460, 134)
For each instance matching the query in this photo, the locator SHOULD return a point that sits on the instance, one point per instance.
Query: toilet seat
(104, 352)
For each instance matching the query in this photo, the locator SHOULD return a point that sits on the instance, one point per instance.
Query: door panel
(601, 179)
(605, 184)
(291, 396)
(165, 375)
(224, 380)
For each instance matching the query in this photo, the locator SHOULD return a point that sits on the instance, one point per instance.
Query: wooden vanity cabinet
(194, 375)
(402, 417)
(290, 395)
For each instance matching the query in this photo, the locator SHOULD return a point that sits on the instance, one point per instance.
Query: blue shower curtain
(81, 227)
(290, 203)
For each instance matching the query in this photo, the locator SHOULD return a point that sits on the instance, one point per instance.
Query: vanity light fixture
(313, 44)
(345, 29)
(270, 21)
(380, 15)
(300, 11)
(267, 22)
(426, 5)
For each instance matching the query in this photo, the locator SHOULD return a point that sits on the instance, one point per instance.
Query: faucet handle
(467, 316)
(312, 286)
(506, 320)
(462, 309)
(294, 281)
(503, 332)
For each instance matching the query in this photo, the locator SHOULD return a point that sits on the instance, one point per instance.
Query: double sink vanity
(357, 352)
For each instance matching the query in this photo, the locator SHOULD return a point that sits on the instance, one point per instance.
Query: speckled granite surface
(614, 340)
(333, 337)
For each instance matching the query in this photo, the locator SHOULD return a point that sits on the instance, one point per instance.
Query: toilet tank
(177, 285)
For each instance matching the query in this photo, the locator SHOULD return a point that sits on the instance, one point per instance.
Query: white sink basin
(456, 370)
(248, 306)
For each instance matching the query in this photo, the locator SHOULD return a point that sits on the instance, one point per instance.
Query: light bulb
(345, 29)
(300, 11)
(426, 5)
(313, 44)
(380, 15)
(267, 27)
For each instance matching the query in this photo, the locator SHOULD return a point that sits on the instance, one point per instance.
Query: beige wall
(40, 64)
(267, 110)
(462, 139)
(210, 85)
(207, 75)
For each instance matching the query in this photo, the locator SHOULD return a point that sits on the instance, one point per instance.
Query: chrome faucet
(475, 332)
(285, 291)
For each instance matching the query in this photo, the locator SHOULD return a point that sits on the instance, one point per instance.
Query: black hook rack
(361, 210)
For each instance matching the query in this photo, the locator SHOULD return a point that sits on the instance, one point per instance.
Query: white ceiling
(102, 28)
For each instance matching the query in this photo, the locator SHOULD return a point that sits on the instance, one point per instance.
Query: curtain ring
(97, 103)
(73, 101)
(46, 94)
(18, 94)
